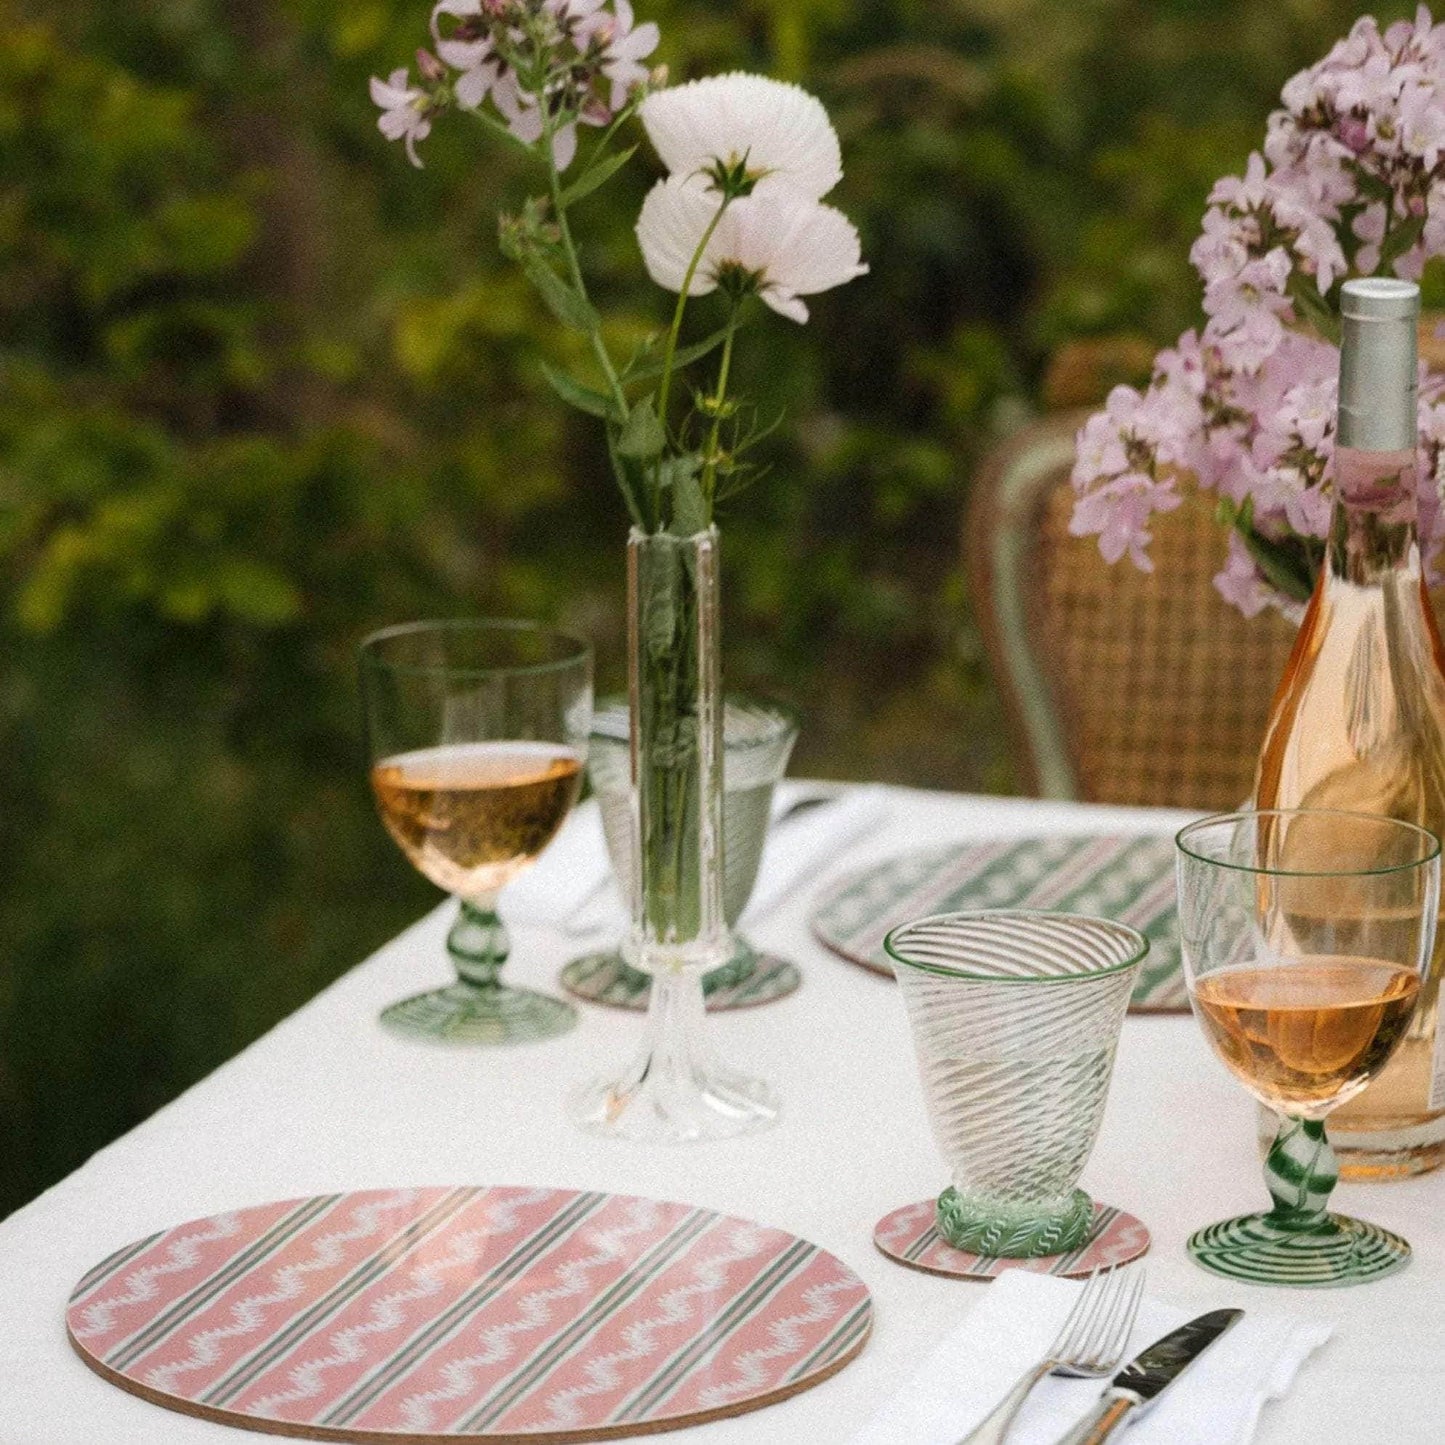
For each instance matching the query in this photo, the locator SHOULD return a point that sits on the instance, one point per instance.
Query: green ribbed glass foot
(1255, 1248)
(981, 1228)
(464, 1014)
(1297, 1242)
(477, 1009)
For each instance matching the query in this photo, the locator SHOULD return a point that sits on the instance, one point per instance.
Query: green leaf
(1373, 186)
(1283, 567)
(642, 435)
(689, 508)
(1400, 239)
(1312, 307)
(683, 356)
(570, 308)
(594, 403)
(597, 175)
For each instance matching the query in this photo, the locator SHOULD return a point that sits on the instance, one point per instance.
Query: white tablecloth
(328, 1101)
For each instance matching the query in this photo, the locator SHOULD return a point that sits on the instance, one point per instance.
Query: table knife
(1140, 1383)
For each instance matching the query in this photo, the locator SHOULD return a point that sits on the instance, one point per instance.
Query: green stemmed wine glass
(1306, 939)
(477, 737)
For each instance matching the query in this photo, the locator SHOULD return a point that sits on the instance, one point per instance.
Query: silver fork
(1089, 1346)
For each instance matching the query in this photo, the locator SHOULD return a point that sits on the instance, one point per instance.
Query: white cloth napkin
(1216, 1402)
(570, 872)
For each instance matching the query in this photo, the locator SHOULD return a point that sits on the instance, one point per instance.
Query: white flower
(792, 246)
(403, 111)
(459, 53)
(781, 131)
(623, 48)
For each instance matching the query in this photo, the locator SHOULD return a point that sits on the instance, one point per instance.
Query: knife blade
(1141, 1382)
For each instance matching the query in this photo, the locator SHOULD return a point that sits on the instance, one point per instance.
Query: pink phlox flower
(1287, 490)
(1309, 412)
(1240, 583)
(1118, 513)
(1422, 123)
(1368, 87)
(1220, 250)
(1369, 227)
(1247, 346)
(404, 111)
(1184, 364)
(624, 48)
(1405, 34)
(1243, 193)
(1099, 451)
(1167, 418)
(1229, 300)
(570, 12)
(524, 119)
(1311, 221)
(467, 46)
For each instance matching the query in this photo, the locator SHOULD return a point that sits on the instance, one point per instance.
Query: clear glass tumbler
(1015, 1018)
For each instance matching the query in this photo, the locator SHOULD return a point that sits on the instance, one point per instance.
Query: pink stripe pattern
(473, 1313)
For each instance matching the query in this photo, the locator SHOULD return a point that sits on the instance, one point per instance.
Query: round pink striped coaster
(909, 1236)
(501, 1314)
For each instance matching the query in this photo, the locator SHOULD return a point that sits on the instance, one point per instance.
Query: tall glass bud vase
(1359, 719)
(676, 1090)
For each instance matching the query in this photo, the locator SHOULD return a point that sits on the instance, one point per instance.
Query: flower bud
(431, 68)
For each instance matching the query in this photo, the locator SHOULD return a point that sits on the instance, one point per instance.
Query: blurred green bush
(264, 387)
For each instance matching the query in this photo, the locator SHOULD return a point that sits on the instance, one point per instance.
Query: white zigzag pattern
(786, 1341)
(387, 1314)
(709, 1275)
(181, 1254)
(905, 1227)
(533, 1311)
(249, 1314)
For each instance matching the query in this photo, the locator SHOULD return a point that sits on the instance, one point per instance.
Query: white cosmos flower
(792, 245)
(783, 132)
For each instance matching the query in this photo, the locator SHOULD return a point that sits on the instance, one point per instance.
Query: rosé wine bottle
(1358, 722)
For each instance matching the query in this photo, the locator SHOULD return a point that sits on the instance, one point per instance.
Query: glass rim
(790, 718)
(943, 970)
(369, 648)
(1217, 820)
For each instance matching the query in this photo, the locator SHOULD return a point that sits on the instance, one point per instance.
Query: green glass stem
(1298, 1242)
(1301, 1173)
(478, 945)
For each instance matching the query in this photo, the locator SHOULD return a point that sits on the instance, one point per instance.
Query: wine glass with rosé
(477, 736)
(1306, 937)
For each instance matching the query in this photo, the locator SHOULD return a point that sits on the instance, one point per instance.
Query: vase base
(464, 1013)
(649, 1109)
(1255, 1249)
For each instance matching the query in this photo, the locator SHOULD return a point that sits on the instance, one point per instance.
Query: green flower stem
(672, 336)
(710, 457)
(594, 334)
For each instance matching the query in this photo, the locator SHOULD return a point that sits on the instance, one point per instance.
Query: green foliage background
(264, 387)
